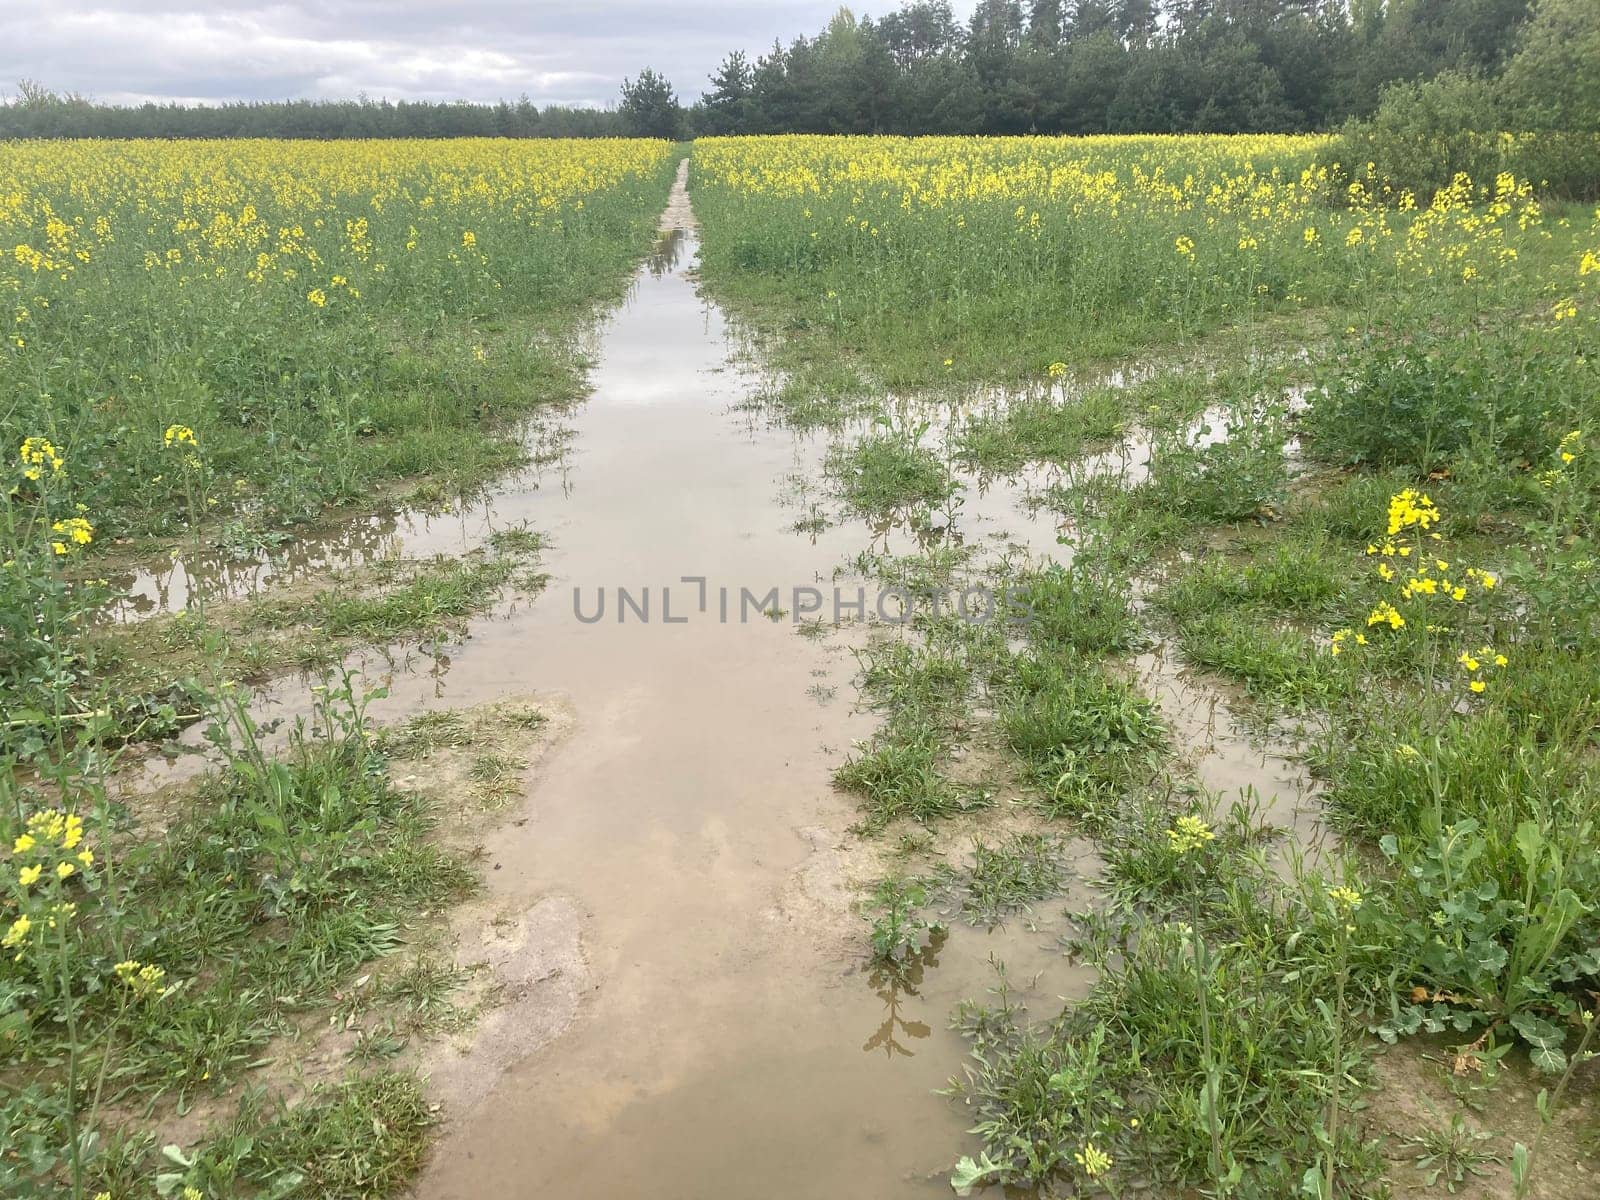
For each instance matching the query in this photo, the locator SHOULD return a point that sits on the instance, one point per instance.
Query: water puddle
(1235, 762)
(729, 1040)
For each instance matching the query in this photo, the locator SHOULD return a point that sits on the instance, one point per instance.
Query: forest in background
(1047, 66)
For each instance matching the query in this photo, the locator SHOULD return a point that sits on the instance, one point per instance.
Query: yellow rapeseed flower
(38, 453)
(1386, 614)
(1345, 897)
(1094, 1161)
(1189, 833)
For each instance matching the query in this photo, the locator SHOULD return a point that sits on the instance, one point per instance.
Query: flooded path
(692, 1012)
(726, 1038)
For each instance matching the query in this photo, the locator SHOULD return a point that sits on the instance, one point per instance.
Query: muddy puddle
(726, 1036)
(1235, 759)
(693, 1013)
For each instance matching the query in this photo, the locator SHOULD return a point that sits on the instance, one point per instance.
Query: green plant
(900, 933)
(1084, 607)
(1236, 473)
(1488, 949)
(1452, 1154)
(890, 469)
(1423, 135)
(1082, 735)
(1525, 1160)
(1006, 877)
(1416, 396)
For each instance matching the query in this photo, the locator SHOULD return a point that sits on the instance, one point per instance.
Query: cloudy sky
(558, 52)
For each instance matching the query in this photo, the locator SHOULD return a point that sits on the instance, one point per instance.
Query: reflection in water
(664, 254)
(898, 981)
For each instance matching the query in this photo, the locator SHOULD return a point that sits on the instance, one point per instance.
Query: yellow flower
(1184, 246)
(65, 870)
(469, 239)
(318, 297)
(1188, 834)
(179, 435)
(29, 876)
(1344, 635)
(23, 844)
(1386, 614)
(1477, 685)
(1411, 508)
(75, 531)
(1345, 897)
(1094, 1161)
(1057, 370)
(18, 931)
(36, 454)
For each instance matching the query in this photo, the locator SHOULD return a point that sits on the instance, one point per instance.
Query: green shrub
(1426, 133)
(1423, 135)
(1415, 402)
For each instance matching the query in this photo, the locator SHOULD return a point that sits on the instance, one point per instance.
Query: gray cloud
(557, 52)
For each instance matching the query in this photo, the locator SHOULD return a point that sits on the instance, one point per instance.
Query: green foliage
(1008, 876)
(301, 392)
(1082, 735)
(890, 469)
(1417, 401)
(1538, 121)
(1085, 607)
(1553, 81)
(1425, 133)
(357, 1140)
(1040, 428)
(1299, 578)
(1276, 663)
(1126, 1071)
(649, 107)
(1237, 472)
(900, 775)
(1492, 953)
(143, 965)
(900, 934)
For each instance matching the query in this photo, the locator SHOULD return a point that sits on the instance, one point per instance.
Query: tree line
(1044, 66)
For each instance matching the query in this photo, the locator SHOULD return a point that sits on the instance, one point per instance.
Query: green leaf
(1530, 845)
(1546, 1041)
(968, 1175)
